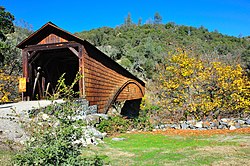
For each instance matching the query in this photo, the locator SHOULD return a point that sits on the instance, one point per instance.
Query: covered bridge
(51, 51)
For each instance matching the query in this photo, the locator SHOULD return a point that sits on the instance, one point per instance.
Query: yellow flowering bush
(201, 88)
(8, 87)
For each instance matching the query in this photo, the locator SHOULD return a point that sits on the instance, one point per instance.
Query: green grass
(149, 149)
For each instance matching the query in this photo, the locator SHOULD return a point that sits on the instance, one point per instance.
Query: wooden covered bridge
(50, 51)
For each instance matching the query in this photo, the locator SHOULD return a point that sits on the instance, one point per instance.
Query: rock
(118, 139)
(190, 126)
(156, 127)
(93, 131)
(191, 122)
(231, 123)
(175, 126)
(91, 110)
(184, 126)
(162, 126)
(167, 126)
(89, 141)
(103, 116)
(248, 122)
(241, 122)
(45, 116)
(232, 128)
(206, 124)
(245, 126)
(238, 125)
(94, 119)
(221, 127)
(224, 120)
(198, 124)
(18, 135)
(213, 124)
(224, 124)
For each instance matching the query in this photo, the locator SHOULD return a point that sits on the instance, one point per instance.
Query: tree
(128, 21)
(6, 27)
(201, 88)
(157, 18)
(6, 23)
(139, 22)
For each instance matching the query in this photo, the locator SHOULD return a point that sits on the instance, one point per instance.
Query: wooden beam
(52, 46)
(81, 71)
(74, 51)
(31, 59)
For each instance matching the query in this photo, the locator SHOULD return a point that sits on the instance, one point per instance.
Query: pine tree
(157, 18)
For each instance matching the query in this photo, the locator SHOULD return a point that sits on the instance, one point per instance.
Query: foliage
(141, 48)
(118, 124)
(10, 56)
(157, 18)
(52, 136)
(200, 87)
(65, 91)
(6, 27)
(8, 87)
(115, 124)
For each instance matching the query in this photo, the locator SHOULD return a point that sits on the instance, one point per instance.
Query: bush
(119, 124)
(53, 136)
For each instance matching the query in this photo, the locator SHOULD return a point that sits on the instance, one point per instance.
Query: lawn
(174, 148)
(163, 149)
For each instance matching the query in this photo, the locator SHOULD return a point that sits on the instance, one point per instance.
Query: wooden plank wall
(52, 38)
(102, 83)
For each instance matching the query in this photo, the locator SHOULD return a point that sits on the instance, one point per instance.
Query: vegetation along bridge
(50, 51)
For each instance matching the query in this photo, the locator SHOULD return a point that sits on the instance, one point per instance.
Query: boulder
(118, 139)
(232, 128)
(241, 122)
(224, 120)
(199, 124)
(184, 125)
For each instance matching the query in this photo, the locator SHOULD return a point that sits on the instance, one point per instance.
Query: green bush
(119, 124)
(52, 133)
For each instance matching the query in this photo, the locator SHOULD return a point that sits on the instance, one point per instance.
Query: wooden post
(25, 73)
(81, 71)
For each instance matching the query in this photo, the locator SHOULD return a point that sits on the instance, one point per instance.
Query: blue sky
(231, 17)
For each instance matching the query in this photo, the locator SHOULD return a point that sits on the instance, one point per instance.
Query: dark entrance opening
(47, 66)
(131, 108)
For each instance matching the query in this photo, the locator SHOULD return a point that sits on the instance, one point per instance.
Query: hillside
(141, 48)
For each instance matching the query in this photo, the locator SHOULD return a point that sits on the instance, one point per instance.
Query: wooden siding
(52, 38)
(104, 85)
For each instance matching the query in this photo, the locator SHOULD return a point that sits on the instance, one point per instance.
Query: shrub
(119, 124)
(8, 87)
(53, 133)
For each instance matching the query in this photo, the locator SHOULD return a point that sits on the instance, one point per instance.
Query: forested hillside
(141, 48)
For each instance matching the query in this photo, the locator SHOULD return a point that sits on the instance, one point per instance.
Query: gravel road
(10, 127)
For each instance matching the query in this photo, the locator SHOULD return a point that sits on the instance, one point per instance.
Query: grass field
(182, 148)
(161, 149)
